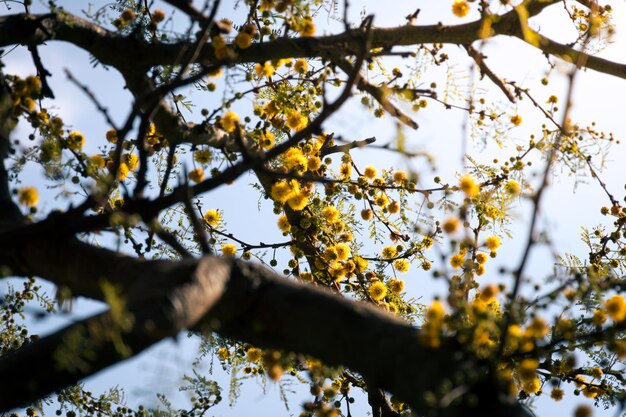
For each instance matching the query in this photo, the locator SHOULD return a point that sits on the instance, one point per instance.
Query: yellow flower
(402, 265)
(281, 191)
(283, 224)
(516, 120)
(196, 175)
(301, 66)
(598, 318)
(243, 40)
(202, 156)
(345, 170)
(96, 162)
(212, 217)
(389, 252)
(427, 242)
(222, 353)
(532, 386)
(512, 187)
(396, 285)
(296, 121)
(370, 172)
(295, 160)
(331, 214)
(457, 261)
(381, 200)
(28, 196)
(132, 161)
(435, 311)
(75, 141)
(111, 135)
(266, 69)
(616, 308)
(556, 394)
(314, 163)
(122, 171)
(399, 177)
(267, 139)
(128, 15)
(451, 225)
(343, 251)
(460, 8)
(229, 121)
(377, 290)
(253, 355)
(307, 27)
(493, 242)
(481, 258)
(298, 201)
(469, 185)
(229, 250)
(158, 16)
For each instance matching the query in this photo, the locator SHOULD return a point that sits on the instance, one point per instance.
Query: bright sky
(597, 98)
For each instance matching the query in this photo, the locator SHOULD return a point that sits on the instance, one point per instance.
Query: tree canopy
(127, 215)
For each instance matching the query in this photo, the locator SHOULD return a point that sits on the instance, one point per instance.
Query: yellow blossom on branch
(28, 196)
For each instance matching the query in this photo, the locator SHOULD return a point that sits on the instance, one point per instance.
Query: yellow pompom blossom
(512, 187)
(399, 177)
(556, 394)
(202, 156)
(451, 225)
(132, 161)
(295, 160)
(331, 214)
(281, 191)
(75, 141)
(402, 265)
(389, 252)
(296, 121)
(298, 201)
(222, 354)
(229, 250)
(196, 175)
(96, 162)
(219, 47)
(493, 242)
(343, 251)
(243, 40)
(457, 261)
(537, 328)
(599, 318)
(377, 290)
(28, 196)
(283, 224)
(314, 163)
(128, 15)
(381, 200)
(253, 355)
(33, 84)
(396, 286)
(435, 312)
(370, 172)
(229, 121)
(516, 119)
(122, 171)
(345, 170)
(307, 27)
(481, 258)
(616, 308)
(337, 271)
(267, 139)
(460, 8)
(212, 217)
(266, 69)
(469, 185)
(158, 16)
(301, 66)
(532, 386)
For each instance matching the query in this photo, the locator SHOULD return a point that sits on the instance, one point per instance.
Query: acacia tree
(336, 305)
